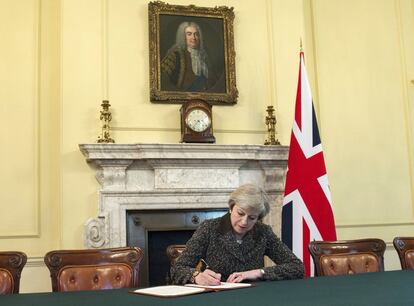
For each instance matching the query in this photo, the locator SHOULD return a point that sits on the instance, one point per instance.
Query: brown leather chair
(405, 250)
(94, 269)
(347, 256)
(174, 251)
(11, 266)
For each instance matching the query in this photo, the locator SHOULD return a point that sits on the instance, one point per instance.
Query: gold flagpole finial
(301, 50)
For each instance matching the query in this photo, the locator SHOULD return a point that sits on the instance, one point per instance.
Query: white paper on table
(222, 286)
(169, 291)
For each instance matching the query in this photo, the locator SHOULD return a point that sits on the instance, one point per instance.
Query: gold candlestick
(271, 127)
(105, 117)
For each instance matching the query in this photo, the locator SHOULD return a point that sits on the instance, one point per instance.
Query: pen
(205, 263)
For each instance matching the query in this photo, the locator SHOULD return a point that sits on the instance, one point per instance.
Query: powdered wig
(252, 197)
(180, 36)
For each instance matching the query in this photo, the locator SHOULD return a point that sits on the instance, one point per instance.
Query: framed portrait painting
(191, 53)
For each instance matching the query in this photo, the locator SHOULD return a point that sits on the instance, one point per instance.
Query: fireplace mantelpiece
(176, 176)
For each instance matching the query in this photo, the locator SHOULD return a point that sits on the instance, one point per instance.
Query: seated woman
(233, 246)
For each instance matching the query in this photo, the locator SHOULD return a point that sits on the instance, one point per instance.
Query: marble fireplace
(150, 188)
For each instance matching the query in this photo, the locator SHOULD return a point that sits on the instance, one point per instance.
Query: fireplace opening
(154, 230)
(158, 263)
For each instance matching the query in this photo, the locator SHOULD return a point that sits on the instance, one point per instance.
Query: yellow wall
(61, 58)
(362, 52)
(30, 195)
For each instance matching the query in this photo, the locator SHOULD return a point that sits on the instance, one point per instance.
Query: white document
(222, 286)
(169, 291)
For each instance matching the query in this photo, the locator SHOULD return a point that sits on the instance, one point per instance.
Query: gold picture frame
(191, 53)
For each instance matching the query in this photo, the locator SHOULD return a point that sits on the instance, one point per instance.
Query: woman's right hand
(208, 278)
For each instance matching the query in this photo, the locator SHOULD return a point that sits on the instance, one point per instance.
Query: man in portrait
(186, 65)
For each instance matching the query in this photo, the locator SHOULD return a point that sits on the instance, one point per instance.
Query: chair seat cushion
(95, 277)
(6, 282)
(342, 264)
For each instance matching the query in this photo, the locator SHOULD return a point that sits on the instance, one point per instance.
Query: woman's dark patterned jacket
(214, 242)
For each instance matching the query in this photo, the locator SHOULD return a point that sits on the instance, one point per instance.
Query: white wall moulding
(176, 176)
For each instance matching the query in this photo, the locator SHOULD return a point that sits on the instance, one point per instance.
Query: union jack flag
(307, 207)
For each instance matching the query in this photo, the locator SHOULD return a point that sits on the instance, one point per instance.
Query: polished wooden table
(383, 288)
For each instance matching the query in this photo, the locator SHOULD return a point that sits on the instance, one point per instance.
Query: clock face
(198, 120)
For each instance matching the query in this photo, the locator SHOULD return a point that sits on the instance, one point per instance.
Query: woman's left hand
(238, 277)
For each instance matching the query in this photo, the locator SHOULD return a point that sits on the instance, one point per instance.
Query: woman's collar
(225, 224)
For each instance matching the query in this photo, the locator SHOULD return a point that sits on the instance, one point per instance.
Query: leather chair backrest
(405, 249)
(342, 264)
(409, 259)
(94, 269)
(98, 277)
(11, 266)
(6, 282)
(348, 256)
(174, 251)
